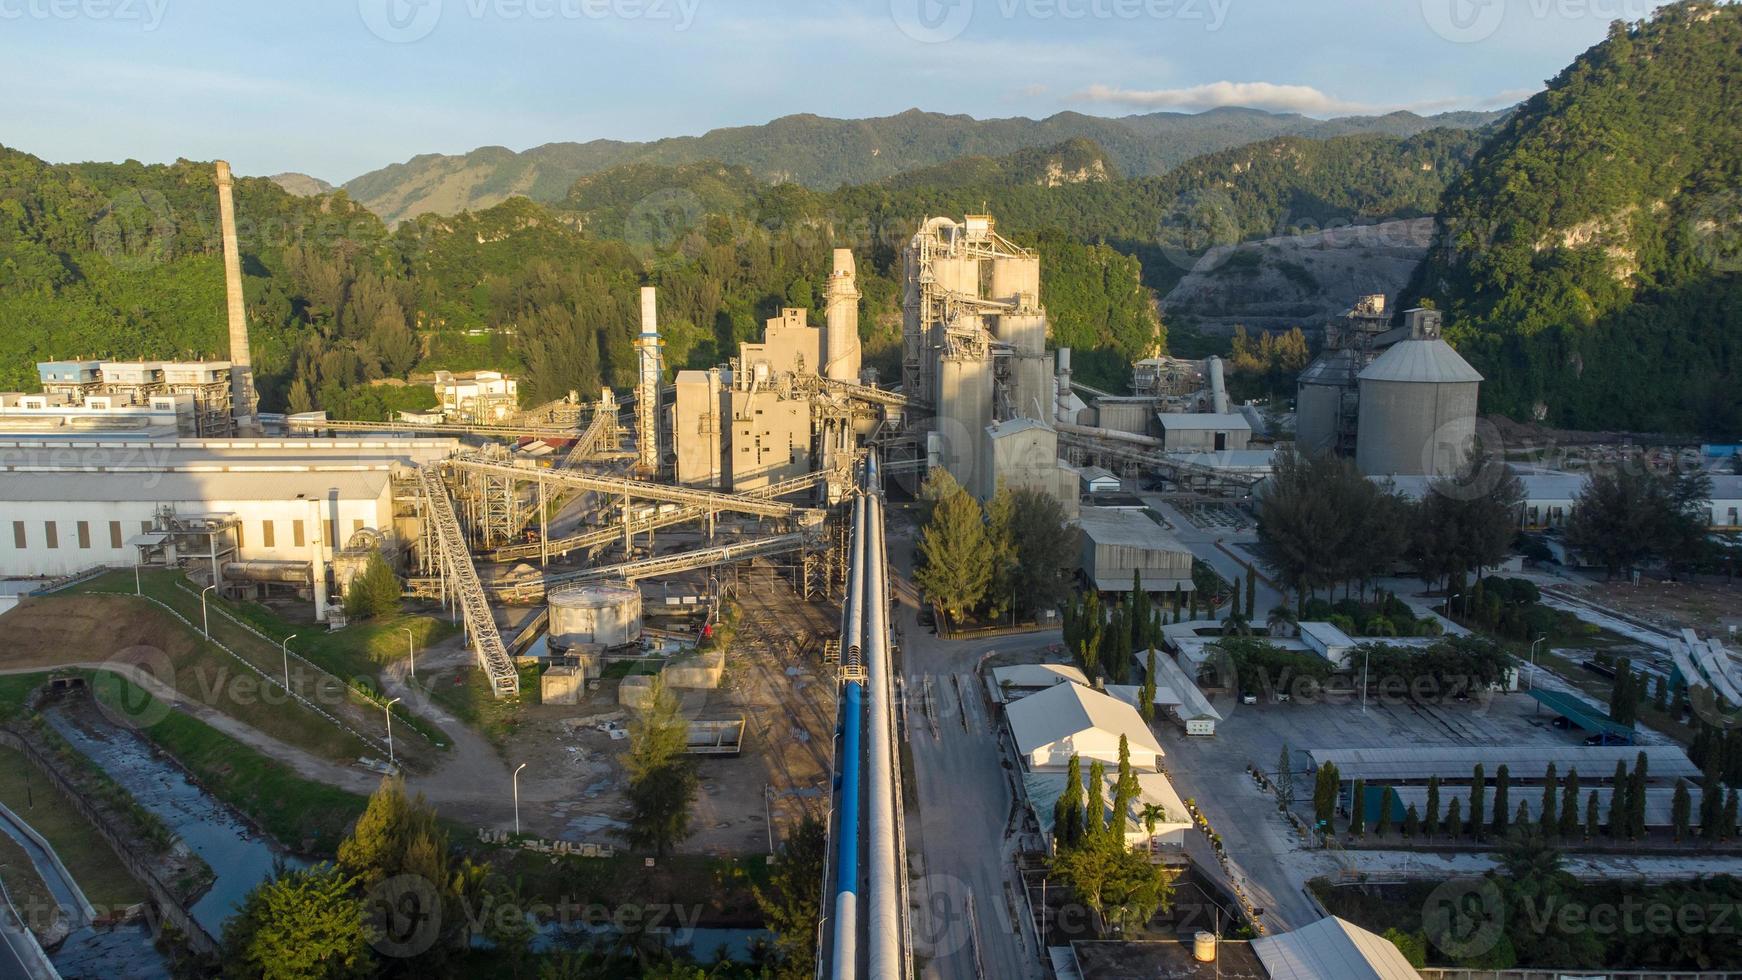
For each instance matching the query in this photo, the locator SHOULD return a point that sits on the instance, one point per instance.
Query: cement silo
(1325, 403)
(595, 615)
(1418, 406)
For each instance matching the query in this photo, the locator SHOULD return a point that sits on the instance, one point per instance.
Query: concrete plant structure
(1400, 401)
(242, 397)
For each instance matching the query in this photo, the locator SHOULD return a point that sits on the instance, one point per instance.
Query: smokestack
(841, 342)
(647, 385)
(1218, 390)
(241, 363)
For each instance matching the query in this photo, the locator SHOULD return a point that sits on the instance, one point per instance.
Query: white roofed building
(1070, 719)
(1332, 949)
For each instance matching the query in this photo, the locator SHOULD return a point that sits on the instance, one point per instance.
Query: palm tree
(1280, 617)
(1153, 813)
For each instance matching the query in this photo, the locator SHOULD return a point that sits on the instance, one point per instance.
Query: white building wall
(36, 558)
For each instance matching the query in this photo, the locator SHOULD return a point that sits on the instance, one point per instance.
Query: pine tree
(1431, 824)
(1125, 792)
(1411, 822)
(1386, 799)
(1502, 789)
(1547, 818)
(1455, 818)
(1069, 825)
(1593, 824)
(1358, 809)
(957, 560)
(1478, 800)
(1569, 823)
(1681, 810)
(1146, 695)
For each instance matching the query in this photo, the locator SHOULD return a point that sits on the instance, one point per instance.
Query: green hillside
(1592, 250)
(825, 153)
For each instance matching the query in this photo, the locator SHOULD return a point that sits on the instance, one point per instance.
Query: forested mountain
(825, 153)
(1592, 250)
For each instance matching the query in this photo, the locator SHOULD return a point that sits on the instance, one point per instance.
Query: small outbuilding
(1116, 543)
(1204, 431)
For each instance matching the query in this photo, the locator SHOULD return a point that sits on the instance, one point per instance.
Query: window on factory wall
(115, 535)
(296, 533)
(51, 535)
(18, 539)
(85, 534)
(267, 534)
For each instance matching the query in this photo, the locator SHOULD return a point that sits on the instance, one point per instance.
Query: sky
(336, 88)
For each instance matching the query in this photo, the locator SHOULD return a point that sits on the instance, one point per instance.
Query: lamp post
(1364, 653)
(137, 590)
(1532, 681)
(284, 651)
(517, 799)
(410, 651)
(388, 708)
(205, 621)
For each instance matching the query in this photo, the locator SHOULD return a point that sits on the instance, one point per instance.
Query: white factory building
(1070, 719)
(74, 505)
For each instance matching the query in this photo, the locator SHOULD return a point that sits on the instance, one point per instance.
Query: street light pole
(136, 588)
(284, 651)
(517, 799)
(410, 651)
(388, 708)
(205, 620)
(1363, 678)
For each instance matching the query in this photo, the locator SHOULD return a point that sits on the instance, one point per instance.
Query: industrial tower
(647, 386)
(242, 406)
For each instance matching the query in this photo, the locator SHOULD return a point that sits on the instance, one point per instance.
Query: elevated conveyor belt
(686, 561)
(624, 487)
(462, 580)
(506, 430)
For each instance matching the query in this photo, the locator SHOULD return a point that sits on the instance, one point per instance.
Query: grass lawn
(466, 693)
(306, 816)
(30, 896)
(328, 690)
(14, 688)
(85, 853)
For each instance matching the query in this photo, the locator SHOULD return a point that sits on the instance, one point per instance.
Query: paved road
(1203, 544)
(960, 832)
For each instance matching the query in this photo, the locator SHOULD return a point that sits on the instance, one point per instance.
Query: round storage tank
(596, 615)
(1014, 275)
(1418, 411)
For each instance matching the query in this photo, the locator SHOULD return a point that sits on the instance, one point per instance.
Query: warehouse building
(1204, 431)
(1167, 843)
(1070, 719)
(1115, 543)
(72, 506)
(1332, 949)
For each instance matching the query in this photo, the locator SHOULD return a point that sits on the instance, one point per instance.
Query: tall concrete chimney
(241, 363)
(1063, 392)
(647, 385)
(841, 340)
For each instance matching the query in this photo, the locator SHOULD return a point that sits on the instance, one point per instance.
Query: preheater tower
(241, 363)
(647, 385)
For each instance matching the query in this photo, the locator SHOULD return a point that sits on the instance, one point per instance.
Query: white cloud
(1271, 96)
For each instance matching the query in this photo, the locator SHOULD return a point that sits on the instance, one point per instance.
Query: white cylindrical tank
(1014, 276)
(1418, 411)
(958, 275)
(841, 338)
(596, 615)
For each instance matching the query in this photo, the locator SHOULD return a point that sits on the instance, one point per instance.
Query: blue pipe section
(847, 853)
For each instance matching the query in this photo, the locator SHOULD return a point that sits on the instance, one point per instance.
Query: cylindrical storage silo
(1204, 946)
(1319, 401)
(1418, 411)
(1013, 276)
(595, 615)
(957, 275)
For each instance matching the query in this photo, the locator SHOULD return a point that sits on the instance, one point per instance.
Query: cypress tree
(1618, 806)
(1234, 599)
(1711, 810)
(1681, 810)
(1455, 818)
(1069, 827)
(1385, 801)
(1502, 789)
(1146, 696)
(1570, 806)
(1478, 800)
(1729, 816)
(1251, 592)
(1521, 819)
(1592, 823)
(1431, 823)
(1094, 807)
(1636, 800)
(1358, 809)
(1411, 822)
(1548, 816)
(1125, 790)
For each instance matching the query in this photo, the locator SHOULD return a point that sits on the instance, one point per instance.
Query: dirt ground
(773, 678)
(1713, 608)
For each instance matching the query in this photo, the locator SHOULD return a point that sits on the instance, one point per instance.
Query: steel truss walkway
(601, 536)
(436, 428)
(460, 578)
(624, 487)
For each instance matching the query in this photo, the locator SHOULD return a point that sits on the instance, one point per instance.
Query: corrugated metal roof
(1130, 528)
(1061, 712)
(1431, 361)
(1201, 421)
(1522, 762)
(1332, 949)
